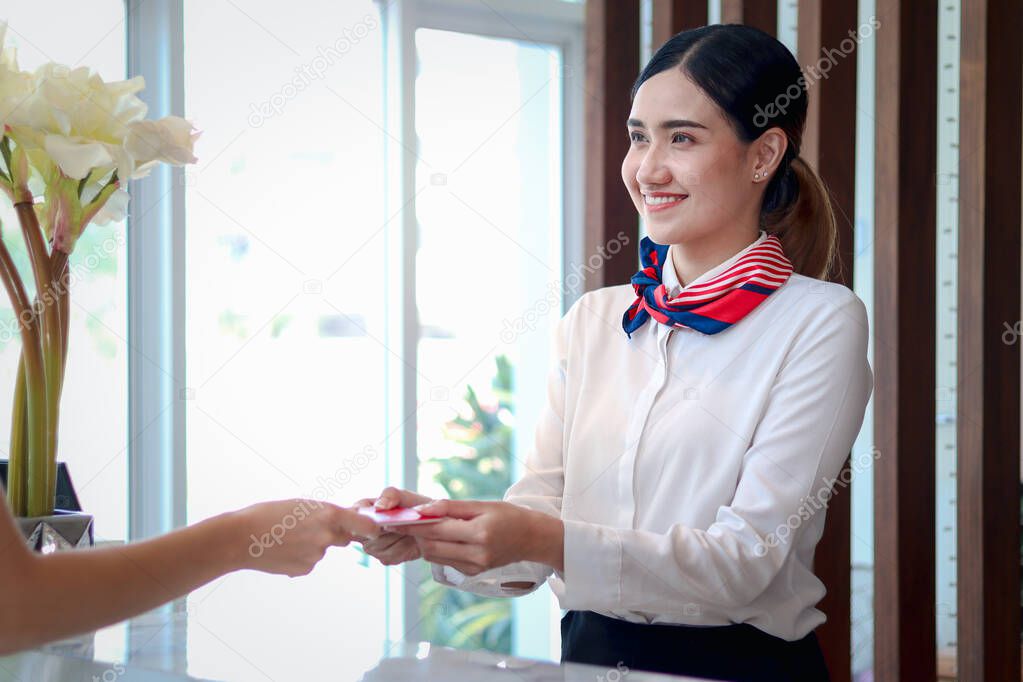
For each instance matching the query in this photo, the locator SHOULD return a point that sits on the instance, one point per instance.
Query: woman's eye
(677, 137)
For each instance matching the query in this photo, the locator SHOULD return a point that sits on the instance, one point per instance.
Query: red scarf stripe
(730, 275)
(749, 266)
(679, 302)
(729, 282)
(779, 265)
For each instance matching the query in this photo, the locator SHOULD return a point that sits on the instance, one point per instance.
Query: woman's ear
(769, 150)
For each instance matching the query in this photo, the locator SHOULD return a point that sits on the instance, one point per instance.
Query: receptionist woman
(696, 416)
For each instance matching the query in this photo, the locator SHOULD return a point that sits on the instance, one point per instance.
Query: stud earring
(756, 176)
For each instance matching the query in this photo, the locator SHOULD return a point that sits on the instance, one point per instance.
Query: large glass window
(489, 130)
(93, 438)
(285, 267)
(288, 364)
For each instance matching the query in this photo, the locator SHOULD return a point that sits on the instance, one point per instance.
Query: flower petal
(76, 157)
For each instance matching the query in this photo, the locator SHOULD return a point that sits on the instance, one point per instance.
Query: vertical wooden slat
(829, 145)
(991, 113)
(762, 14)
(612, 65)
(672, 16)
(904, 341)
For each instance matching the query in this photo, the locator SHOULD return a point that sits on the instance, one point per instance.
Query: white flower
(79, 120)
(78, 140)
(168, 140)
(15, 85)
(114, 210)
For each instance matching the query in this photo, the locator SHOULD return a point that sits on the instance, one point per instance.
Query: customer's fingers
(347, 522)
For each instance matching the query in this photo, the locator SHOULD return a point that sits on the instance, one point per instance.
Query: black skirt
(729, 652)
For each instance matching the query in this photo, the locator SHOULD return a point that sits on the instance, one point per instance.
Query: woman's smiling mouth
(661, 201)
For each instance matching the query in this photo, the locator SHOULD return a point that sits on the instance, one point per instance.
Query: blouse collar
(670, 278)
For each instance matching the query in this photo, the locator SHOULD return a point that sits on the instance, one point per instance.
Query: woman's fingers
(392, 548)
(453, 530)
(401, 550)
(455, 509)
(389, 498)
(451, 553)
(392, 497)
(383, 543)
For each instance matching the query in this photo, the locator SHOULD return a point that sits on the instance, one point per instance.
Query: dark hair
(758, 84)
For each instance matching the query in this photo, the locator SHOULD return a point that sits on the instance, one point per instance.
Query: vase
(67, 528)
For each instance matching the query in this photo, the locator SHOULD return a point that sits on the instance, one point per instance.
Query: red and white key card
(399, 516)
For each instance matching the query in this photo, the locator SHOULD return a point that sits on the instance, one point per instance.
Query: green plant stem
(37, 469)
(59, 266)
(16, 485)
(49, 337)
(60, 288)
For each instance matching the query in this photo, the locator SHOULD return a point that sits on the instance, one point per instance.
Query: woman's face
(683, 149)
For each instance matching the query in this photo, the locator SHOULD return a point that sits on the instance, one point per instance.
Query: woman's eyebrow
(673, 123)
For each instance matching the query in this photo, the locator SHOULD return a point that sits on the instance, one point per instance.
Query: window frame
(156, 288)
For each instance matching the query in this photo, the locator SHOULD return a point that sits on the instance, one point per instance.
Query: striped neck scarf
(712, 306)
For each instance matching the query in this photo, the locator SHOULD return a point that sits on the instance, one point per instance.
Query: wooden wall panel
(760, 13)
(612, 66)
(988, 419)
(672, 16)
(829, 145)
(904, 340)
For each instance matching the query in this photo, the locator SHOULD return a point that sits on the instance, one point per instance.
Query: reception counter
(162, 646)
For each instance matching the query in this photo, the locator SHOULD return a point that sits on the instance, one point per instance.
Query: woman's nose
(652, 170)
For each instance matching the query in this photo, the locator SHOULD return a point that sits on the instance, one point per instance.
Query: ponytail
(797, 208)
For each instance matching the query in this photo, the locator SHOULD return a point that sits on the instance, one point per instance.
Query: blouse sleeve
(540, 487)
(814, 411)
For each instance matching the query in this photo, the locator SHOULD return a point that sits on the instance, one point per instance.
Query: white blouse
(691, 470)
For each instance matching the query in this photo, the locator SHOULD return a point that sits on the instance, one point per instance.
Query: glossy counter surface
(159, 646)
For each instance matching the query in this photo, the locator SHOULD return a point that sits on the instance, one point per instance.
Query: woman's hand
(392, 548)
(291, 536)
(479, 536)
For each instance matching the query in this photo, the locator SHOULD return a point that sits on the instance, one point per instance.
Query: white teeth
(653, 201)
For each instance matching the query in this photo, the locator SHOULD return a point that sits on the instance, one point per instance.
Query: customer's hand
(392, 548)
(291, 536)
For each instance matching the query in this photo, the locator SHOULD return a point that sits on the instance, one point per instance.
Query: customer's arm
(92, 588)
